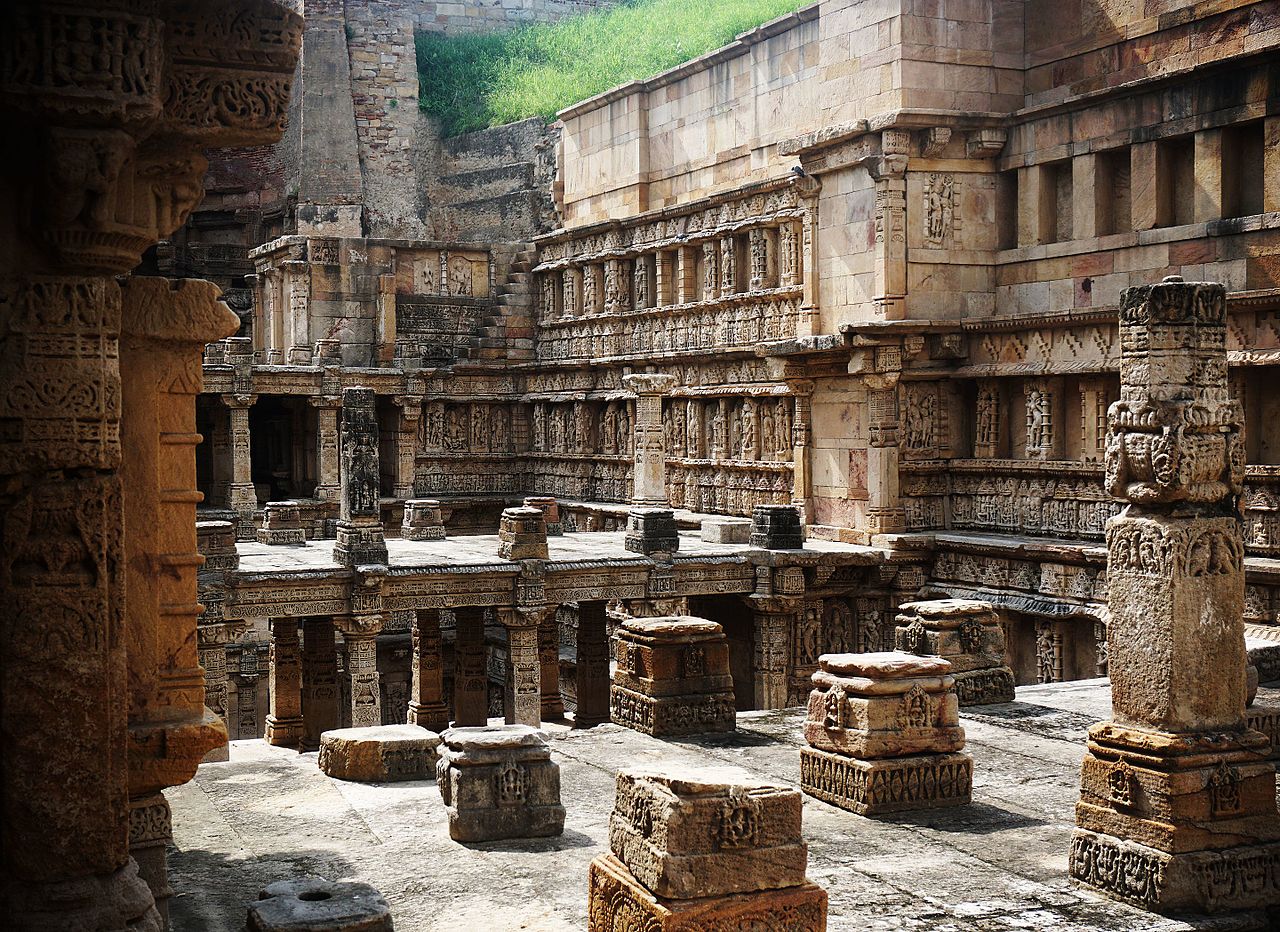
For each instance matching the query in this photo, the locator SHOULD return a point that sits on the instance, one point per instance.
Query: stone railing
(733, 488)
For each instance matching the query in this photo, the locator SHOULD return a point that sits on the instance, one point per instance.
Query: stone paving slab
(999, 864)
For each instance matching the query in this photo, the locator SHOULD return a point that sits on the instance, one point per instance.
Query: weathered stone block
(281, 524)
(965, 632)
(707, 832)
(883, 705)
(652, 531)
(380, 753)
(314, 904)
(777, 527)
(893, 784)
(726, 530)
(422, 520)
(522, 534)
(216, 542)
(672, 676)
(985, 687)
(619, 903)
(499, 782)
(550, 509)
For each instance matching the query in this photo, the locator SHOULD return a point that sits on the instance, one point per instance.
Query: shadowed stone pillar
(470, 680)
(592, 675)
(524, 665)
(407, 443)
(549, 661)
(109, 102)
(427, 706)
(650, 486)
(284, 721)
(1177, 803)
(328, 488)
(360, 539)
(319, 680)
(362, 672)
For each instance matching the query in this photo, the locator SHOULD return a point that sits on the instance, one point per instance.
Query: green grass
(472, 82)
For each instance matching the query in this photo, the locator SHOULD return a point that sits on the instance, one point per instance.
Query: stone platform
(997, 864)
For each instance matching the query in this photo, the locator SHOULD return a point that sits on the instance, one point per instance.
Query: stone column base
(618, 903)
(359, 544)
(890, 784)
(433, 716)
(423, 533)
(120, 900)
(379, 754)
(1247, 877)
(673, 715)
(285, 732)
(499, 782)
(984, 687)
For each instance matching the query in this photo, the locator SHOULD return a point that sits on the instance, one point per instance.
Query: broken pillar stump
(672, 677)
(522, 534)
(281, 524)
(777, 527)
(884, 734)
(499, 782)
(314, 904)
(422, 520)
(379, 753)
(652, 532)
(968, 634)
(696, 849)
(551, 512)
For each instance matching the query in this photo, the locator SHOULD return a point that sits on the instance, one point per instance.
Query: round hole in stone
(312, 896)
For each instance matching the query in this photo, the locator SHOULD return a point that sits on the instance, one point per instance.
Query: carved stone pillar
(761, 258)
(592, 676)
(297, 293)
(470, 679)
(775, 618)
(360, 538)
(242, 498)
(319, 680)
(650, 486)
(328, 488)
(523, 665)
(790, 259)
(427, 706)
(1043, 418)
(549, 663)
(801, 446)
(150, 831)
(284, 721)
(885, 513)
(362, 670)
(407, 443)
(891, 224)
(108, 102)
(1177, 803)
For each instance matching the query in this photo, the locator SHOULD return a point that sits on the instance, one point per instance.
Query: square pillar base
(985, 687)
(618, 903)
(499, 782)
(673, 715)
(285, 732)
(890, 784)
(1247, 877)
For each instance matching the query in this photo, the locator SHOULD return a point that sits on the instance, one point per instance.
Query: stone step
(485, 183)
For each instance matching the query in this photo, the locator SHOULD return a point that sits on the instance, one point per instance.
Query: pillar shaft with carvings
(360, 538)
(328, 484)
(284, 722)
(407, 443)
(549, 662)
(320, 694)
(242, 498)
(1177, 805)
(427, 705)
(650, 486)
(524, 665)
(111, 104)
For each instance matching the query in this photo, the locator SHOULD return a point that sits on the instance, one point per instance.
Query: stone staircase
(506, 331)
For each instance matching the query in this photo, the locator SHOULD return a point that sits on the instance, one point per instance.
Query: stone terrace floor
(998, 864)
(481, 549)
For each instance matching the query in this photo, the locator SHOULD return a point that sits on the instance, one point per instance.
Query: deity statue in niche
(677, 447)
(609, 429)
(784, 429)
(500, 430)
(555, 435)
(939, 203)
(749, 441)
(768, 433)
(693, 429)
(624, 428)
(1039, 425)
(455, 429)
(460, 276)
(479, 428)
(920, 411)
(716, 431)
(582, 428)
(987, 431)
(538, 439)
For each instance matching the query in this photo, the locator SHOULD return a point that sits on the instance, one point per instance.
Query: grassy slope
(471, 82)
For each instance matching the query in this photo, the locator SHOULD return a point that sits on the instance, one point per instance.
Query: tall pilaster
(427, 706)
(801, 445)
(650, 487)
(284, 721)
(1177, 803)
(328, 483)
(407, 443)
(890, 248)
(360, 538)
(241, 496)
(885, 512)
(360, 629)
(549, 662)
(524, 664)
